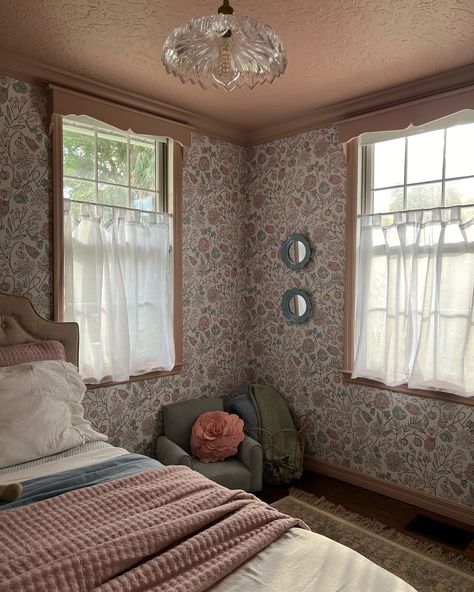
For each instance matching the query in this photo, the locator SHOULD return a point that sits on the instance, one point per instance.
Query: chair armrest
(169, 453)
(251, 455)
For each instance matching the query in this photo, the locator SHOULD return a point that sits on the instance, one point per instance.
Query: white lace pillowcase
(41, 411)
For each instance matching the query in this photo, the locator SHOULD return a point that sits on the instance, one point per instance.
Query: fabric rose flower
(216, 435)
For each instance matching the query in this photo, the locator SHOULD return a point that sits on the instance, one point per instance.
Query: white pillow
(41, 411)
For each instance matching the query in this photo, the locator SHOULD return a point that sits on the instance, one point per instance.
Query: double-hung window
(414, 285)
(117, 249)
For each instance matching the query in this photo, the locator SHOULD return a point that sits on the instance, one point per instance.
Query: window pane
(460, 151)
(113, 195)
(79, 190)
(425, 157)
(388, 200)
(389, 162)
(459, 192)
(113, 159)
(144, 200)
(142, 165)
(78, 153)
(424, 196)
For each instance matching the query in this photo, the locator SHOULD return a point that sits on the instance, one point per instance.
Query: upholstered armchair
(243, 471)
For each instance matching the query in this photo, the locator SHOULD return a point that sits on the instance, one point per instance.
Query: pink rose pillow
(216, 435)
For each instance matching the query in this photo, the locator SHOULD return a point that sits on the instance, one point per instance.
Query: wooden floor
(391, 512)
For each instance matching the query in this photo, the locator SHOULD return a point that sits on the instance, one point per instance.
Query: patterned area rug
(428, 568)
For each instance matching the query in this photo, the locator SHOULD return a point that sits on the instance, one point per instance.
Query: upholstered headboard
(20, 323)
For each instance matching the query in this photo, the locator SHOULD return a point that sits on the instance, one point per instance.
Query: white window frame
(367, 142)
(161, 161)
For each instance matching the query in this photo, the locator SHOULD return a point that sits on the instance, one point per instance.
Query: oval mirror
(296, 306)
(296, 251)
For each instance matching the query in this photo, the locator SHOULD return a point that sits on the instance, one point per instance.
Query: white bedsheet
(80, 456)
(303, 561)
(299, 561)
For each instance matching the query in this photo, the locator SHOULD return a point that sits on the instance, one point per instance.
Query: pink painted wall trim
(415, 112)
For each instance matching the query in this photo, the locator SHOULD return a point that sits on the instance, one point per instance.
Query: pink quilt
(167, 529)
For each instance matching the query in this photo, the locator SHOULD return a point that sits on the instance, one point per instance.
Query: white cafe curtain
(415, 299)
(118, 282)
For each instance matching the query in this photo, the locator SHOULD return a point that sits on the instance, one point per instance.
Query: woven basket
(283, 453)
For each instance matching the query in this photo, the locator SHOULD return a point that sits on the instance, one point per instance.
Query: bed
(96, 517)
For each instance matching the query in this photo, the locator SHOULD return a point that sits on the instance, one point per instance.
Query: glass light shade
(224, 50)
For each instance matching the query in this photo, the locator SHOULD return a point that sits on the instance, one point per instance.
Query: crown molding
(32, 71)
(423, 88)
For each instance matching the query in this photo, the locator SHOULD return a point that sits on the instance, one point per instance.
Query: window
(118, 249)
(104, 166)
(419, 171)
(414, 316)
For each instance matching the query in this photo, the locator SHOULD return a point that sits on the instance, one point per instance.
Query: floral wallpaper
(214, 269)
(297, 184)
(239, 206)
(214, 278)
(25, 189)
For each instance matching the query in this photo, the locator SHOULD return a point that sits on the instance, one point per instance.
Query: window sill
(157, 374)
(430, 394)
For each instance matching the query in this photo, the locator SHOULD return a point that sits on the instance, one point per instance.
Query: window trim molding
(58, 221)
(178, 156)
(352, 152)
(66, 102)
(58, 251)
(416, 112)
(403, 388)
(138, 377)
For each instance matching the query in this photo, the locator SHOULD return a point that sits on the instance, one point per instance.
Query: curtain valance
(418, 112)
(68, 102)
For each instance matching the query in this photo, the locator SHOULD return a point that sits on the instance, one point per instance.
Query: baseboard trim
(411, 496)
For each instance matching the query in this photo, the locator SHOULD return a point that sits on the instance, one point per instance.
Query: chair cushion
(242, 405)
(179, 418)
(216, 435)
(230, 473)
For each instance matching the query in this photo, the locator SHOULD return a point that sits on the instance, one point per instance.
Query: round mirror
(296, 251)
(296, 306)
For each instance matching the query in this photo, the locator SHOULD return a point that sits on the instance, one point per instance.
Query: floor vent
(440, 532)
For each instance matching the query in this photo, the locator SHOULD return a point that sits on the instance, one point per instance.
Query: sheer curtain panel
(117, 267)
(415, 299)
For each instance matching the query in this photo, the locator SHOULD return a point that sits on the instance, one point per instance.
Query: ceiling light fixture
(224, 50)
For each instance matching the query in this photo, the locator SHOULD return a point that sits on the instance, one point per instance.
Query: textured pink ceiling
(337, 49)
